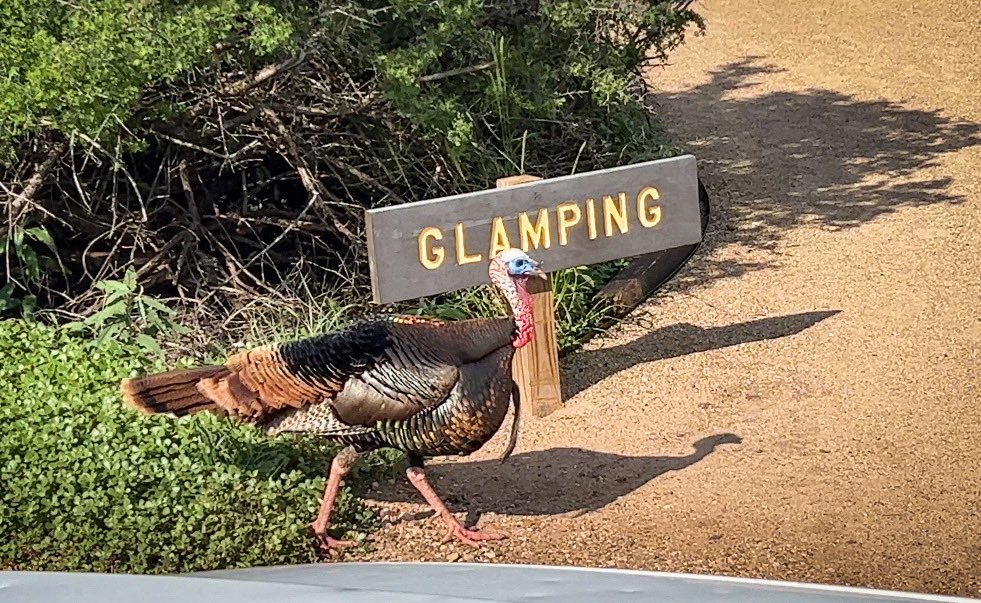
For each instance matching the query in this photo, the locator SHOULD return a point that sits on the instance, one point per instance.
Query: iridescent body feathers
(421, 385)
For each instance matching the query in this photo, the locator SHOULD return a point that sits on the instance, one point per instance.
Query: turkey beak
(537, 271)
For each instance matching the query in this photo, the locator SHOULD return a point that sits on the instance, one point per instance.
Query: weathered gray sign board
(440, 245)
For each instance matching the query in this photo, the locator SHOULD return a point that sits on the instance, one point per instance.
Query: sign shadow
(586, 368)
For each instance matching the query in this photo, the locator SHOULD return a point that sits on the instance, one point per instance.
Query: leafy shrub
(213, 144)
(578, 316)
(214, 148)
(129, 315)
(86, 484)
(81, 67)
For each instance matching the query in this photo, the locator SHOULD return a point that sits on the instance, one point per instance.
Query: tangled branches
(216, 187)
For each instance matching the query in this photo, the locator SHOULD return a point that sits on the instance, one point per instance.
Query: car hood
(382, 582)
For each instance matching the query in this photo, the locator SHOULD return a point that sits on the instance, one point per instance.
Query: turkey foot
(417, 477)
(328, 543)
(339, 467)
(471, 537)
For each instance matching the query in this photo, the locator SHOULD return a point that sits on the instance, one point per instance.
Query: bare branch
(17, 205)
(192, 204)
(370, 181)
(455, 72)
(266, 73)
(313, 186)
(189, 145)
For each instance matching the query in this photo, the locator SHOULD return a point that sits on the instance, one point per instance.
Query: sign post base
(536, 365)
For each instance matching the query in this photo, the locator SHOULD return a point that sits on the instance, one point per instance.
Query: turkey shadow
(558, 481)
(584, 369)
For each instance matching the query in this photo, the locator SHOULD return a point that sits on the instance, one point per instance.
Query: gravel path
(803, 403)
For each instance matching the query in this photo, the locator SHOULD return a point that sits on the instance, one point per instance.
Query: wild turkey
(425, 386)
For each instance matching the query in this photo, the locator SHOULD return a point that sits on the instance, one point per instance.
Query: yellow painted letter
(616, 213)
(566, 222)
(591, 218)
(431, 260)
(499, 237)
(461, 247)
(648, 216)
(537, 235)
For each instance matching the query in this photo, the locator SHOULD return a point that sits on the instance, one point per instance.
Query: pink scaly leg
(339, 467)
(417, 476)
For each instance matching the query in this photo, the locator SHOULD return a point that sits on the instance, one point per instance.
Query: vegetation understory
(188, 178)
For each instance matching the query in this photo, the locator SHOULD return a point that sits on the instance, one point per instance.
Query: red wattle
(524, 316)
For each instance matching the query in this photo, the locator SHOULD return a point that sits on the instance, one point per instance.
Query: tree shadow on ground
(785, 159)
(674, 341)
(547, 482)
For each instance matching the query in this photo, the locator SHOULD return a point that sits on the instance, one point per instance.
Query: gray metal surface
(397, 272)
(428, 583)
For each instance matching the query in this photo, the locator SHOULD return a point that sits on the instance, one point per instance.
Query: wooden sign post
(439, 245)
(536, 365)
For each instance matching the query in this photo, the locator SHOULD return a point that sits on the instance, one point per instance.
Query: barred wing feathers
(341, 382)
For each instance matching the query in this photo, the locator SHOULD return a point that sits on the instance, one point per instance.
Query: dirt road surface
(804, 402)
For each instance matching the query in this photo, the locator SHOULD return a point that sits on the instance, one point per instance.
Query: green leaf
(41, 234)
(28, 304)
(109, 286)
(149, 343)
(113, 310)
(156, 305)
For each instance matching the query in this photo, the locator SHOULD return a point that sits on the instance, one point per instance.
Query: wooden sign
(536, 365)
(439, 245)
(429, 247)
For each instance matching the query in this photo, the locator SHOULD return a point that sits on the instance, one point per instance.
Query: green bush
(81, 67)
(214, 151)
(578, 315)
(87, 484)
(346, 105)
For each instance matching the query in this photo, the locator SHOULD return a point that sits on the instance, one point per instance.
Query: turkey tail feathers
(173, 392)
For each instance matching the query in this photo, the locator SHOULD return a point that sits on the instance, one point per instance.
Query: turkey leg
(339, 467)
(455, 529)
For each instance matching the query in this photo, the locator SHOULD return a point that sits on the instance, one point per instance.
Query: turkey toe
(471, 537)
(328, 543)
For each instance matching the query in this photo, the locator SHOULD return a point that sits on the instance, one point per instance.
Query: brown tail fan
(174, 392)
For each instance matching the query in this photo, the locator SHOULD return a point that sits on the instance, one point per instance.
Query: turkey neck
(515, 291)
(521, 303)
